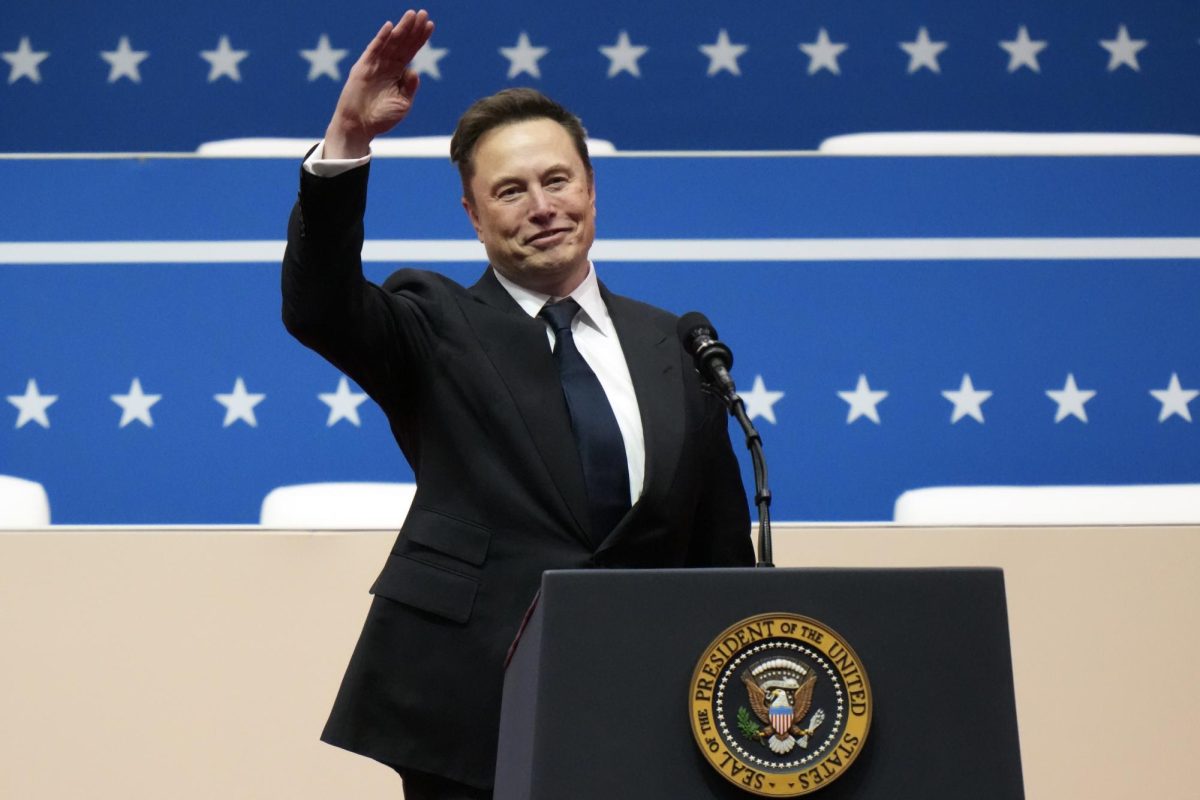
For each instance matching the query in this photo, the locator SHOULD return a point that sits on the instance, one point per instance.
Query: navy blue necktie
(601, 448)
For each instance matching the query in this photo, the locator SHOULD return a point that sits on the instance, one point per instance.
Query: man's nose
(540, 205)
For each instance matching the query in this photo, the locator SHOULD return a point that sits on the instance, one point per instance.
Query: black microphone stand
(762, 494)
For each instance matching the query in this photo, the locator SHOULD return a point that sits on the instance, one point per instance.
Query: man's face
(533, 205)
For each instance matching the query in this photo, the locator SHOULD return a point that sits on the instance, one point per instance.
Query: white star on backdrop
(324, 60)
(723, 54)
(968, 401)
(759, 401)
(32, 405)
(1174, 399)
(425, 62)
(136, 405)
(239, 404)
(823, 54)
(923, 53)
(1023, 51)
(224, 61)
(623, 56)
(863, 401)
(1070, 400)
(24, 62)
(524, 57)
(1122, 51)
(343, 404)
(123, 62)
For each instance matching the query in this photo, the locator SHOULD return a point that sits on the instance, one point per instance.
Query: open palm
(380, 88)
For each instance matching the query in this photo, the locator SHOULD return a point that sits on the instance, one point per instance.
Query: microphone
(712, 358)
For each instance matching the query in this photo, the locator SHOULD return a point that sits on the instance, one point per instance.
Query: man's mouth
(549, 236)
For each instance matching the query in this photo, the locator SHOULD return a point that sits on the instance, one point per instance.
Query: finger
(409, 83)
(399, 46)
(425, 34)
(407, 44)
(377, 44)
(410, 27)
(403, 27)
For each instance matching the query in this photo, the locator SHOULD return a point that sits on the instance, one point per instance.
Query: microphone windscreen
(692, 323)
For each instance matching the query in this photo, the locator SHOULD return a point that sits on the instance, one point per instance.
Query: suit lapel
(513, 341)
(652, 355)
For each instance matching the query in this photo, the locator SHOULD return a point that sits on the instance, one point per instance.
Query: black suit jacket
(473, 397)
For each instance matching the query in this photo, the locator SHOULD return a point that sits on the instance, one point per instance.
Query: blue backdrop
(1030, 275)
(126, 75)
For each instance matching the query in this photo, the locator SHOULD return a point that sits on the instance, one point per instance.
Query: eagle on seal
(780, 693)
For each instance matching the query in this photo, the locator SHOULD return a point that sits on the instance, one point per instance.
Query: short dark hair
(505, 108)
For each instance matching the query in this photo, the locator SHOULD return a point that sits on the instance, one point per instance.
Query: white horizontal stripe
(424, 251)
(139, 252)
(892, 249)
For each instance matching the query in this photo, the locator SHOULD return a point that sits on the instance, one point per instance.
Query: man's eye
(508, 193)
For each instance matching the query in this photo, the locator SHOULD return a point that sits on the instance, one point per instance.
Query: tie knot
(560, 314)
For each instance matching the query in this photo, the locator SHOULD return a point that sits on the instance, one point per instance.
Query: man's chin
(546, 275)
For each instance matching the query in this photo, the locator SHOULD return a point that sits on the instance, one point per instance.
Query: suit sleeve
(721, 534)
(371, 335)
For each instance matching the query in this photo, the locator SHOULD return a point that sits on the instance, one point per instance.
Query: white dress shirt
(592, 330)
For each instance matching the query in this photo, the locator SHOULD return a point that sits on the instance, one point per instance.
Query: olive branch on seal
(747, 725)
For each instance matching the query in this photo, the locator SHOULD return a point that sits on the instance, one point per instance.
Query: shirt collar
(587, 294)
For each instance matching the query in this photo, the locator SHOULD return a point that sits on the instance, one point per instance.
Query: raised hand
(379, 91)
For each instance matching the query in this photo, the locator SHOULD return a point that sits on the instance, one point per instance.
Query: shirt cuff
(317, 164)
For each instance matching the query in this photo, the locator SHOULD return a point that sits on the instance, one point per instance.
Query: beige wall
(199, 664)
(1102, 622)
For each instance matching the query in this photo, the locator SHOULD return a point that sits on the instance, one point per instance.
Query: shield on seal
(781, 717)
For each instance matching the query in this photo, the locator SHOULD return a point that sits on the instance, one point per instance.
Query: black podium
(596, 696)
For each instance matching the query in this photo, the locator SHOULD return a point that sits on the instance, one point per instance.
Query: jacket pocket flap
(463, 540)
(427, 587)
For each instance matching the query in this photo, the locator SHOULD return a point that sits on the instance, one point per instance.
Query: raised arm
(327, 304)
(379, 91)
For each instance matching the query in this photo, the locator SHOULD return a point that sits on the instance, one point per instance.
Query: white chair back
(383, 147)
(23, 504)
(1162, 504)
(989, 143)
(334, 506)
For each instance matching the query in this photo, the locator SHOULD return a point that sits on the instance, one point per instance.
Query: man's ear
(469, 207)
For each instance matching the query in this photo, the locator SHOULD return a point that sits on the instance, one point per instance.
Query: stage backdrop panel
(896, 322)
(125, 75)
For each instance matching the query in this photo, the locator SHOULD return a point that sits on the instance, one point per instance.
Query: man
(578, 438)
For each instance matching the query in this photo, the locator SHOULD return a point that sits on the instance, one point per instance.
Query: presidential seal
(780, 705)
